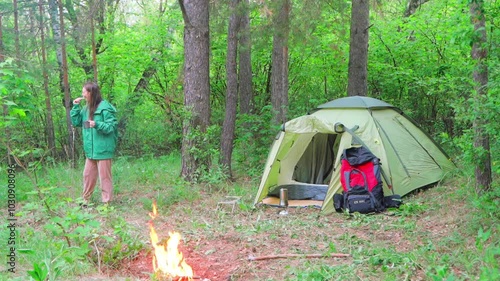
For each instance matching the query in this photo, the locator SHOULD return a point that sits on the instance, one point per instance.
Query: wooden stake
(283, 256)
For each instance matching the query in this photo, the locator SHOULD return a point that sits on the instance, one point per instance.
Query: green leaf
(25, 251)
(17, 112)
(38, 273)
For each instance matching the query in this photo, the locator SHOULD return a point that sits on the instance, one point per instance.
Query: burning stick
(283, 256)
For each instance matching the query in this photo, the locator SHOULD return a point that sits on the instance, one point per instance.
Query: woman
(99, 122)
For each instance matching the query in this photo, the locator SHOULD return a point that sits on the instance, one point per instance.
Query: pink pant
(93, 169)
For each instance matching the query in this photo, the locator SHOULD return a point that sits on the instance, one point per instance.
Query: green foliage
(490, 270)
(153, 134)
(207, 152)
(403, 244)
(420, 64)
(255, 137)
(319, 273)
(412, 65)
(65, 232)
(442, 272)
(125, 246)
(487, 242)
(18, 106)
(38, 273)
(488, 204)
(61, 238)
(411, 208)
(486, 108)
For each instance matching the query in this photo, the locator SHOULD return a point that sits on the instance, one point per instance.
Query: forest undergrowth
(446, 232)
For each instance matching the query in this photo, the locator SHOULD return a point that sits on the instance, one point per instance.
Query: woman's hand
(77, 100)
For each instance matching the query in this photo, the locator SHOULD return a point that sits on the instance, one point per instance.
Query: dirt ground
(227, 256)
(224, 255)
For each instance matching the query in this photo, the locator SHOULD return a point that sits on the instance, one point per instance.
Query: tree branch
(282, 256)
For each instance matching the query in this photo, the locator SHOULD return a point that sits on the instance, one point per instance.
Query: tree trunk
(2, 51)
(4, 106)
(33, 27)
(51, 140)
(67, 97)
(1, 39)
(357, 83)
(56, 31)
(18, 63)
(412, 6)
(245, 61)
(479, 53)
(196, 85)
(94, 51)
(16, 33)
(279, 72)
(229, 124)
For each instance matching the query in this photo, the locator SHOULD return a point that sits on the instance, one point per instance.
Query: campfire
(167, 260)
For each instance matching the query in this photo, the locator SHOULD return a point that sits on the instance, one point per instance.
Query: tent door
(316, 163)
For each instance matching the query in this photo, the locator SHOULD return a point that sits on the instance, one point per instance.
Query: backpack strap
(347, 176)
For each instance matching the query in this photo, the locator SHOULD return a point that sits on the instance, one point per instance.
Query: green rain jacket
(99, 143)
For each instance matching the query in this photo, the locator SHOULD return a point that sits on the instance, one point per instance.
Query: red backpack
(360, 176)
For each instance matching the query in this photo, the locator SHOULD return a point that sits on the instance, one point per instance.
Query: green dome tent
(305, 157)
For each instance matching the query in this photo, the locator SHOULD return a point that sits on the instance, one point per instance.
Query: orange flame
(155, 211)
(168, 259)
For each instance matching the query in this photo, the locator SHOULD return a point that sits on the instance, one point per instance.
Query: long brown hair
(95, 97)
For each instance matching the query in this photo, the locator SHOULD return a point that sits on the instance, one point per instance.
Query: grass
(444, 233)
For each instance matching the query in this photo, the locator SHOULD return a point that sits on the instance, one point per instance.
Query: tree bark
(1, 39)
(49, 128)
(33, 28)
(56, 31)
(279, 72)
(479, 53)
(357, 83)
(18, 63)
(2, 51)
(196, 85)
(229, 123)
(94, 51)
(245, 61)
(67, 97)
(4, 106)
(16, 33)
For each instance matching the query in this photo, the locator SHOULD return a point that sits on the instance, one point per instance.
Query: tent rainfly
(305, 157)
